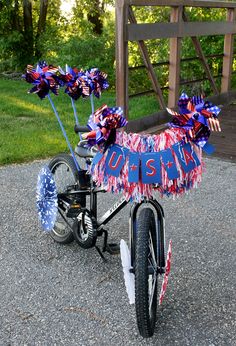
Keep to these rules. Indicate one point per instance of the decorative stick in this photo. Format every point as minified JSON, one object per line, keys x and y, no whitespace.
{"x":75,"y":115}
{"x":92,"y":102}
{"x":64,"y":133}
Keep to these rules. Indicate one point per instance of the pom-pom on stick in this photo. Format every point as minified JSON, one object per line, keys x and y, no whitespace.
{"x":46,"y":199}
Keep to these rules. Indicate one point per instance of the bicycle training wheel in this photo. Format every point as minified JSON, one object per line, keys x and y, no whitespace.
{"x":65,"y":175}
{"x":146,"y":272}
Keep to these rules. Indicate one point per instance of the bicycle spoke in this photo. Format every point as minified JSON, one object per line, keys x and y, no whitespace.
{"x":154,"y":280}
{"x":152,"y":253}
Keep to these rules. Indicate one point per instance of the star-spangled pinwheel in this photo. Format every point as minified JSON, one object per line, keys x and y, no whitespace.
{"x":75,"y":87}
{"x":197,"y":116}
{"x":86,"y":83}
{"x":97,"y":81}
{"x":102,"y":121}
{"x":46,"y":199}
{"x":44,"y":78}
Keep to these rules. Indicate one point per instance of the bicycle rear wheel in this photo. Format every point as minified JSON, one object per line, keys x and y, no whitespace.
{"x":66,"y":178}
{"x":146,"y":267}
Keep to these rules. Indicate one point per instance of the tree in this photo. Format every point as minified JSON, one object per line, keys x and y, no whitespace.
{"x":41,"y":25}
{"x":22,"y":24}
{"x":95,"y":11}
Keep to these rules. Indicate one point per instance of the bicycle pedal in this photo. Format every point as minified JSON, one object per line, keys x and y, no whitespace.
{"x":113,"y":249}
{"x":73,"y":210}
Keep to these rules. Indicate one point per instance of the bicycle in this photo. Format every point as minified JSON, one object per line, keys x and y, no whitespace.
{"x":170,"y":162}
{"x":77,"y":221}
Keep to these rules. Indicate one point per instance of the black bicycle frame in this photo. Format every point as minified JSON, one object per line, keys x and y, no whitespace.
{"x":119,"y":205}
{"x":109,"y":214}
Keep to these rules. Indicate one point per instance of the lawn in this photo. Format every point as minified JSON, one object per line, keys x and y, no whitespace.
{"x":29,"y":129}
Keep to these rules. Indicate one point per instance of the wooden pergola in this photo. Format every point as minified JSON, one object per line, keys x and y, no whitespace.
{"x":127,"y":29}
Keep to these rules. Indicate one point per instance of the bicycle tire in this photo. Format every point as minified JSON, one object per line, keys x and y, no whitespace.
{"x":146,"y":272}
{"x":85,"y":230}
{"x":65,"y":174}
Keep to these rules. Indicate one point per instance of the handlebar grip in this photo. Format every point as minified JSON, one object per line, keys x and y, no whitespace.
{"x":78,"y":129}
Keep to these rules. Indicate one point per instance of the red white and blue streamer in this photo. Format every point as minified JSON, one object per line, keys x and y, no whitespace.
{"x":118,"y":160}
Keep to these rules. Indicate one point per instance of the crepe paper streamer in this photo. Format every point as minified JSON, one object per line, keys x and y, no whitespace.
{"x":128,"y":276}
{"x":64,"y":133}
{"x":154,"y":144}
{"x":46,"y":199}
{"x":167,"y":272}
{"x":197,"y":116}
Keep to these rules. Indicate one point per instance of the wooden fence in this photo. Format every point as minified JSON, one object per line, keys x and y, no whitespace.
{"x":127,"y":29}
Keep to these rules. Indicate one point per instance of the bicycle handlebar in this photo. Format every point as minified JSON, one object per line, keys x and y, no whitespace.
{"x":78,"y":129}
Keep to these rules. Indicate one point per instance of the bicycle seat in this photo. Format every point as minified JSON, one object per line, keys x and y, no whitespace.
{"x":83,"y":150}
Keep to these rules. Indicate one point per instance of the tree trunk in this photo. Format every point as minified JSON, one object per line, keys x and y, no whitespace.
{"x":28,"y":28}
{"x":15,"y":17}
{"x":41,"y":26}
{"x":94,"y":16}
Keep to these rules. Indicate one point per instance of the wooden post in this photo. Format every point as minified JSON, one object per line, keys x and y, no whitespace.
{"x":122,"y":56}
{"x":147,"y":62}
{"x":228,"y":55}
{"x":174,"y":59}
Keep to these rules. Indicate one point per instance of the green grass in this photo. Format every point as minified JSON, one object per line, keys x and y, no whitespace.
{"x":29,"y":129}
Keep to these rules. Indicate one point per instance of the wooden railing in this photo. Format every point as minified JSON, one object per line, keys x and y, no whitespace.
{"x":127,"y":29}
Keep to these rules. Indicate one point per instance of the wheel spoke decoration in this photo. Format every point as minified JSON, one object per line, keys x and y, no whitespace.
{"x":154,"y":282}
{"x":128,"y":276}
{"x":46,"y":199}
{"x":167,"y":272}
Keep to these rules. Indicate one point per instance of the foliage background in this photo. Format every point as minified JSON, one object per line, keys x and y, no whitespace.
{"x":86,"y":38}
{"x":42,"y":30}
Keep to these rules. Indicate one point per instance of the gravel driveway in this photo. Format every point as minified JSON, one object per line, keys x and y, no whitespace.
{"x":63,"y":295}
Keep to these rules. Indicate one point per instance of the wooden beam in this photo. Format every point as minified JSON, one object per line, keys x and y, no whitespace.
{"x":228,"y":55}
{"x":187,"y":3}
{"x":148,"y":31}
{"x":203,"y":59}
{"x":121,"y":56}
{"x":174,"y":59}
{"x":152,"y":75}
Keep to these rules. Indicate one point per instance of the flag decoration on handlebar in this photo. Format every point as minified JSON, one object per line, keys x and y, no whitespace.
{"x":137,"y":165}
{"x":102,"y":121}
{"x":197,"y":116}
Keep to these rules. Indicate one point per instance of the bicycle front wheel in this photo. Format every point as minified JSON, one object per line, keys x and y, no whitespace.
{"x":146,"y":272}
